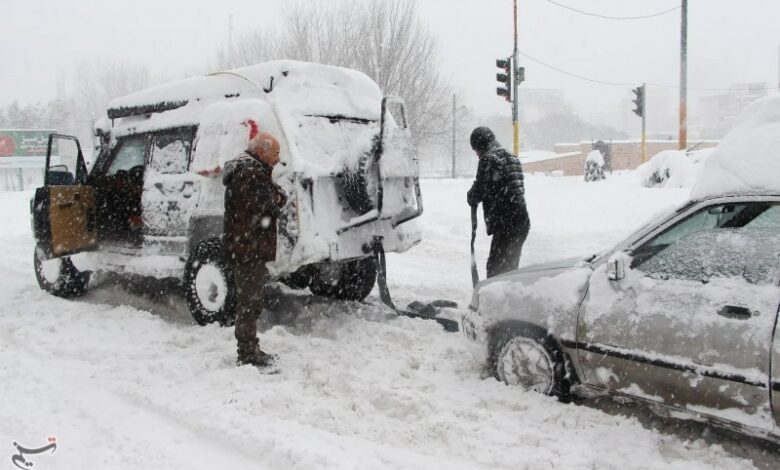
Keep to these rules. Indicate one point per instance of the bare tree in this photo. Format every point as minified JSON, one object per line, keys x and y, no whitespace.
{"x":383,"y":39}
{"x":394,"y":48}
{"x":99,"y":82}
{"x":250,"y":48}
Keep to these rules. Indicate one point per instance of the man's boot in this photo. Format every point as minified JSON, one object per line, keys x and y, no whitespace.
{"x":250,"y":354}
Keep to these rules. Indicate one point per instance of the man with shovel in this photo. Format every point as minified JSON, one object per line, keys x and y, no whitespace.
{"x":499,"y":187}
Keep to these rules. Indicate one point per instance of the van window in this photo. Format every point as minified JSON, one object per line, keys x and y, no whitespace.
{"x":131,"y":153}
{"x":171,"y":151}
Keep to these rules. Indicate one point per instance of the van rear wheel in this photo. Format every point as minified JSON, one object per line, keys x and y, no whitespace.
{"x":346,"y":281}
{"x":209,"y":287}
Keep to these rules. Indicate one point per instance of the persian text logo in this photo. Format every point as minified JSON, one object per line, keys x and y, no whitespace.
{"x":20,"y":459}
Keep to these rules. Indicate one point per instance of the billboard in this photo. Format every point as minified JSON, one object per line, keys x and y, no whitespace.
{"x":24,"y":148}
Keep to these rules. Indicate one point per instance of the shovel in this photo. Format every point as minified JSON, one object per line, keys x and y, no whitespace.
{"x":474,"y":271}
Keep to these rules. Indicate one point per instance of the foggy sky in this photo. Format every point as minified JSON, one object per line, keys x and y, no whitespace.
{"x":730,"y":41}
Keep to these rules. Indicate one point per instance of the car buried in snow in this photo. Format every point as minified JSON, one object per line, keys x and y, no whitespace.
{"x":681,"y":315}
{"x":152,"y":204}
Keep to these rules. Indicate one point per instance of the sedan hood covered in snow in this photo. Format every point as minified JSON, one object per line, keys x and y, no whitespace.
{"x":556,"y":264}
{"x":545,"y":297}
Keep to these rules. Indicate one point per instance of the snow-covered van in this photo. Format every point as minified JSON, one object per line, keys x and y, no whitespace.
{"x":153,"y":201}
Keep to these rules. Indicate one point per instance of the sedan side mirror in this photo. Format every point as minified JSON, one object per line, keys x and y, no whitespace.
{"x":616,"y":266}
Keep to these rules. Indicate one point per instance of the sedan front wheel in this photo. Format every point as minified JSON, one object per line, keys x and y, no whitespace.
{"x":531,"y":360}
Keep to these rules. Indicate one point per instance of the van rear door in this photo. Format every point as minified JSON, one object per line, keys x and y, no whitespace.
{"x":400,"y":198}
{"x":63,"y":210}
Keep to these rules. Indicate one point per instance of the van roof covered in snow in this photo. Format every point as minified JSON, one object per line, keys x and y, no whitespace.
{"x":302,"y":87}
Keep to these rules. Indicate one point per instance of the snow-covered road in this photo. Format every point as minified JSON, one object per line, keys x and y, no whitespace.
{"x":124,"y":379}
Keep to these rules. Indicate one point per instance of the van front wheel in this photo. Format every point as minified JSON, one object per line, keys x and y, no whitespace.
{"x":58,"y":276}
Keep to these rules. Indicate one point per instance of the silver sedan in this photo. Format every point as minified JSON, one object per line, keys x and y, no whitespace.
{"x":683,"y":314}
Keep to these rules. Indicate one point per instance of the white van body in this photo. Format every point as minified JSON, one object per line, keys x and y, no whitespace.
{"x":348,"y":167}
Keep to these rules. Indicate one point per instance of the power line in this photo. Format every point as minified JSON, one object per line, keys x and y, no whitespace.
{"x":622,"y":84}
{"x":571,"y":74}
{"x":609,"y":17}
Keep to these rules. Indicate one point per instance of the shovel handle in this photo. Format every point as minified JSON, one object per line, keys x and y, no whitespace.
{"x":474,"y":270}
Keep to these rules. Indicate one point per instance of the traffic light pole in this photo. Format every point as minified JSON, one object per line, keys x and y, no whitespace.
{"x":644,"y":120}
{"x":683,"y":137}
{"x":454,"y":125}
{"x":515,"y":100}
{"x":640,"y":109}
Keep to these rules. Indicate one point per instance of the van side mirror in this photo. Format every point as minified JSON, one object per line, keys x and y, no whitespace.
{"x":616,"y":266}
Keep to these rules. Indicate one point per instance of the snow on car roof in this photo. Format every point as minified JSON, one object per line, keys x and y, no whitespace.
{"x":748,"y":159}
{"x":302,"y":88}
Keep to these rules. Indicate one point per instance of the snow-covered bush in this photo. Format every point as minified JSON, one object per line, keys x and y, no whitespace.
{"x":672,"y":168}
{"x":594,"y":166}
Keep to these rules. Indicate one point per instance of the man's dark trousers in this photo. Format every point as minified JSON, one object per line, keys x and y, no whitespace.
{"x":250,"y":300}
{"x":505,"y":250}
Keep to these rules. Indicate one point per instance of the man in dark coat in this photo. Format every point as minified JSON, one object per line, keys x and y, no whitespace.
{"x":499,"y":187}
{"x":252,"y":205}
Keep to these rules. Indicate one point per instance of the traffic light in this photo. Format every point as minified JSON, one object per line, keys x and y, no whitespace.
{"x":520,"y":76}
{"x":505,"y":78}
{"x":639,"y":100}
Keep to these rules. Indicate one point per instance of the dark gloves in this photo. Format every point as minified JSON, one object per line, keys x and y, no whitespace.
{"x":280,"y":199}
{"x":470,"y":198}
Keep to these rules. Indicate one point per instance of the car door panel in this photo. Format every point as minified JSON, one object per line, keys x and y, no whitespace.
{"x":775,"y":373}
{"x":691,"y":326}
{"x":634,"y":340}
{"x":72,"y":219}
{"x":63,"y":210}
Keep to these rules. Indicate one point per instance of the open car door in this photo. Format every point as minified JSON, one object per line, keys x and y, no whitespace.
{"x":63,"y":210}
{"x":400,"y":198}
{"x":393,"y":170}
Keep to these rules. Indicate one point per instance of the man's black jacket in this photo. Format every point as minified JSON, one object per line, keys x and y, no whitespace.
{"x":499,"y":187}
{"x":251,"y":209}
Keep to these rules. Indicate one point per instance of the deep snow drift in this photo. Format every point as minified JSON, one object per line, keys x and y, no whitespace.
{"x":124,"y":379}
{"x":748,"y":158}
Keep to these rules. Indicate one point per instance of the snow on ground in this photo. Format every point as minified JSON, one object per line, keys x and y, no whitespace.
{"x":124,"y":379}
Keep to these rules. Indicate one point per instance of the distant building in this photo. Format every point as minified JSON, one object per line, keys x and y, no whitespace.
{"x":569,"y":158}
{"x":717,"y":112}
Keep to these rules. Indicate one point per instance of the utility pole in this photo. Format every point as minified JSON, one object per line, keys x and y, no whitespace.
{"x":230,"y":34}
{"x":95,"y":138}
{"x":644,"y":123}
{"x":683,"y":137}
{"x":515,"y":82}
{"x":454,"y":125}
